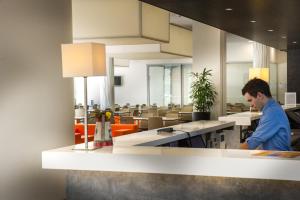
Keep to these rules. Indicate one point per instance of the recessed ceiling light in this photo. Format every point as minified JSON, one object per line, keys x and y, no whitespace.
{"x":252,"y":21}
{"x":283,"y":37}
{"x":270,"y":30}
{"x":294,"y":42}
{"x":228,"y":9}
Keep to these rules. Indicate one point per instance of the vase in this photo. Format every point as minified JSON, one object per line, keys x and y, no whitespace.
{"x":102,"y":134}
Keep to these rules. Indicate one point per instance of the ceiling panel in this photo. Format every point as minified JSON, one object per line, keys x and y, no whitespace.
{"x":281,"y":16}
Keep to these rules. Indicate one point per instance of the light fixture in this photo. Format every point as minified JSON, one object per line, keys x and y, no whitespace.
{"x":262,"y":73}
{"x":228,"y":9}
{"x":294,"y":42}
{"x":180,"y":46}
{"x":283,"y":37}
{"x":270,"y":30}
{"x":252,"y":21}
{"x":119,"y":22}
{"x":84,"y":60}
{"x":181,"y":42}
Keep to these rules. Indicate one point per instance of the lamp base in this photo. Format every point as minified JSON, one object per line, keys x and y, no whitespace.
{"x":81,"y":147}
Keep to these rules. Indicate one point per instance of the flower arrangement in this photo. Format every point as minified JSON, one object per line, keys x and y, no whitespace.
{"x":103,"y":115}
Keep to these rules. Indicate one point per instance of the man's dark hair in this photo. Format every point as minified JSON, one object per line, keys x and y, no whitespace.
{"x":256,"y":85}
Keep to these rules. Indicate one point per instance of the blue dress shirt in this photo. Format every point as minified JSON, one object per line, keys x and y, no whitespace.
{"x":273,"y":131}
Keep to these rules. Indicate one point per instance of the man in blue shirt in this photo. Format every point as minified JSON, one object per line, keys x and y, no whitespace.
{"x":273,"y":131}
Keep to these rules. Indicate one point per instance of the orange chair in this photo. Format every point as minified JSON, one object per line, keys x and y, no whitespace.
{"x":79,"y":133}
{"x":117,"y":119}
{"x":116,"y":130}
{"x":123,"y":129}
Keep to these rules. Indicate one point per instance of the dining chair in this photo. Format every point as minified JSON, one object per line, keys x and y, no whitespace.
{"x":155,"y":122}
{"x":171,"y":122}
{"x":173,"y":114}
{"x":127,"y":120}
{"x":161,"y":112}
{"x":147,"y":114}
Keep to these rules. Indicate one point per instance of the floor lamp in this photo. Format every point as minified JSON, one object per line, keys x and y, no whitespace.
{"x":84,"y":60}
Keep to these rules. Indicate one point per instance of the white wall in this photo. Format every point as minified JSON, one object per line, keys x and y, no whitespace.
{"x":36,"y":103}
{"x":134,"y":85}
{"x":93,"y":89}
{"x":239,"y":51}
{"x":237,"y":77}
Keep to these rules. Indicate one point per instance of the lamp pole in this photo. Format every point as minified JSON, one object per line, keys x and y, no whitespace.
{"x":86,"y":141}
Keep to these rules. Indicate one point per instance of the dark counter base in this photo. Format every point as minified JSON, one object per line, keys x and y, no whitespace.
{"x":83,"y":185}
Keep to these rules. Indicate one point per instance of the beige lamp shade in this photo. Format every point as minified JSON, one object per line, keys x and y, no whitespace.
{"x":119,"y":22}
{"x":262,"y":73}
{"x":83,"y":60}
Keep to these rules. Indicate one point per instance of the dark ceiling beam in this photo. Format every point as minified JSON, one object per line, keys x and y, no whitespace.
{"x":281,"y":16}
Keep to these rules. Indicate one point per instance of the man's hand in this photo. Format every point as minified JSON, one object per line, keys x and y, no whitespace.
{"x":244,"y":146}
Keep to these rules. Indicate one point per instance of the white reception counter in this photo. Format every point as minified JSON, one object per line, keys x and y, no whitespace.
{"x":137,"y":153}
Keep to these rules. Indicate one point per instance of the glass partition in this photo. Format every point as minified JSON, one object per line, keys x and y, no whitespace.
{"x":236,"y":83}
{"x":239,"y":59}
{"x":273,"y":80}
{"x":186,"y":83}
{"x":169,"y":83}
{"x":176,"y":84}
{"x":156,"y":85}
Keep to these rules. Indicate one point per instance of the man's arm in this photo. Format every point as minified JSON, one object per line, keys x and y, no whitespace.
{"x":268,"y":126}
{"x":244,"y":146}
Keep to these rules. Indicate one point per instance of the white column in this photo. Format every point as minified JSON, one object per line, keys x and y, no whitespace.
{"x":209,"y":52}
{"x":110,"y":82}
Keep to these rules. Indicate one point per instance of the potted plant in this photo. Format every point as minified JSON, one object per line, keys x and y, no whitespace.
{"x":203,"y":95}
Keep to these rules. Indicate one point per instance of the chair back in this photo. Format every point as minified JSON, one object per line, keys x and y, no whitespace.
{"x":127,"y":120}
{"x":161,"y":112}
{"x":131,"y":111}
{"x":173,"y":114}
{"x":155,"y":122}
{"x":187,"y":108}
{"x":171,"y":122}
{"x":147,"y":114}
{"x":153,"y":111}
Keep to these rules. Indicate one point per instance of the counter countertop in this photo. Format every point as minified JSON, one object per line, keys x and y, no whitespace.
{"x":127,"y":155}
{"x":241,"y":119}
{"x":245,"y":118}
{"x":151,"y":138}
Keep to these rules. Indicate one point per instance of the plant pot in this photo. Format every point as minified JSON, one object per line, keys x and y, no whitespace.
{"x":196,"y":116}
